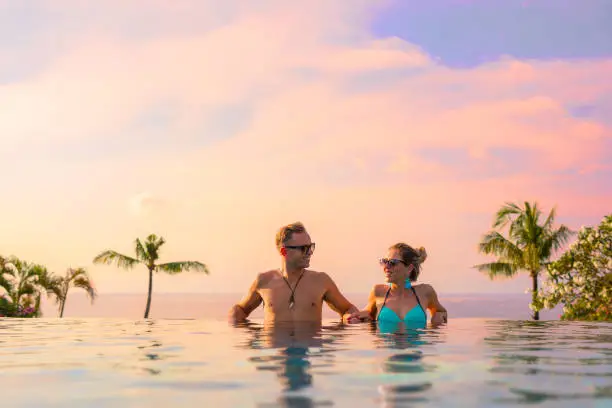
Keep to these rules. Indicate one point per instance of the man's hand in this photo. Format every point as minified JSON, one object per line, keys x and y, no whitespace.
{"x":236,"y":314}
{"x":356,"y":317}
{"x":241,"y":311}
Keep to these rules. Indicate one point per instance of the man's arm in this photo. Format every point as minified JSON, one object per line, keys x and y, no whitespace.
{"x":438,"y":312}
{"x":337,"y":302}
{"x":241,"y":311}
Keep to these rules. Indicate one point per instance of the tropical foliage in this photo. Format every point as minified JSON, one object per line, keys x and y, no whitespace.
{"x":581,"y":279}
{"x":23,"y":284}
{"x":147,"y":254}
{"x":77,"y":278}
{"x":528,"y":246}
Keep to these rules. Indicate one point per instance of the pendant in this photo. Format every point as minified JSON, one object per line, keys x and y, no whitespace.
{"x":291,"y":302}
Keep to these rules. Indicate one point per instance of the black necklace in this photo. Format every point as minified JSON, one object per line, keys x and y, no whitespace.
{"x":292,"y":297}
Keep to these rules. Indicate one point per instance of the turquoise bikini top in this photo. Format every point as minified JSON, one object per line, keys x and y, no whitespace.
{"x":416,"y":317}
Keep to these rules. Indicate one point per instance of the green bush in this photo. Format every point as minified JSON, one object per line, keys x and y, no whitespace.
{"x":581,"y":279}
{"x":9,"y":309}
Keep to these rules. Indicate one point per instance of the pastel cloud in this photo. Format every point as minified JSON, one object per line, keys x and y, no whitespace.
{"x":272,"y":113}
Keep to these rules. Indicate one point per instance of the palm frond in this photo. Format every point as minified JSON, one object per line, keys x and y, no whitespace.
{"x":12,"y":266}
{"x":85,"y":283}
{"x":496,"y":269}
{"x":496,"y":244}
{"x":9,"y":270}
{"x":5,"y":284}
{"x":54,"y":286}
{"x":153,"y":245}
{"x":173,"y":268}
{"x":26,"y":288}
{"x":550,"y":220}
{"x":141,"y":252}
{"x":504,"y":215}
{"x":73,"y":273}
{"x":112,"y":257}
{"x":560,"y":237}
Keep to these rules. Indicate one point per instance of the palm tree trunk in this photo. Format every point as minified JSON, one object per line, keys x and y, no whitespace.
{"x":146,"y":315}
{"x":64,"y":295}
{"x":63,"y":303}
{"x":534,"y":294}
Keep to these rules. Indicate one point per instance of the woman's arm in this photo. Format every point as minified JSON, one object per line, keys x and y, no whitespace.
{"x":370,"y":309}
{"x":438,"y":312}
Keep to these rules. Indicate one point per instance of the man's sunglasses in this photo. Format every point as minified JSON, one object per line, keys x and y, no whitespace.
{"x":304,"y":248}
{"x":390,"y":262}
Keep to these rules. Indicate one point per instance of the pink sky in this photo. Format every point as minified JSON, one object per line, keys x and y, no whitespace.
{"x":215,"y":134}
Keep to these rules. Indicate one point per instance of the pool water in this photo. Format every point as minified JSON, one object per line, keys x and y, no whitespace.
{"x":159,"y":363}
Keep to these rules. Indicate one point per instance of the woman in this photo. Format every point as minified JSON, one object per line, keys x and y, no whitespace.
{"x":399,"y":301}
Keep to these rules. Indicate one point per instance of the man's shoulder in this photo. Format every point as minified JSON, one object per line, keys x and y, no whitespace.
{"x":264,"y":277}
{"x":318,"y":274}
{"x":319,"y":278}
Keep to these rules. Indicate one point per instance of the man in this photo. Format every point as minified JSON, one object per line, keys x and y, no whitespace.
{"x":294,"y":293}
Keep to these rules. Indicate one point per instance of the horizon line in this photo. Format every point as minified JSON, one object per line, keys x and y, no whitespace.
{"x":241,"y":293}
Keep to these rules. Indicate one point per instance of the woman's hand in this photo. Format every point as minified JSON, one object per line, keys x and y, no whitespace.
{"x":356,"y":317}
{"x":439,"y":318}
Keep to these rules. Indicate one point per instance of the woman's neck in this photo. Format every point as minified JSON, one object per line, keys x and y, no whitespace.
{"x":397,"y":288}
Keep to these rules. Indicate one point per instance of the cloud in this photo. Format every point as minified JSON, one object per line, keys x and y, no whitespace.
{"x":271,"y":112}
{"x":146,"y":204}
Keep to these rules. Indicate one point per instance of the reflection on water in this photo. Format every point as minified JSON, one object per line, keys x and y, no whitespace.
{"x":550,"y":361}
{"x":407,"y":360}
{"x":470,"y":362}
{"x":298,"y":349}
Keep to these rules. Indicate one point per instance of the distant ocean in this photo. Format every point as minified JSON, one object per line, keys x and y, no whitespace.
{"x":215,"y":306}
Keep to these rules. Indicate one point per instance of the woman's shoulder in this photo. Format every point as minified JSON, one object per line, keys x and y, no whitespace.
{"x":380,"y":289}
{"x":424,"y":288}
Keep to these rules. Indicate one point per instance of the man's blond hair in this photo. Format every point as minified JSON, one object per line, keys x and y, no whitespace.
{"x":285,"y":233}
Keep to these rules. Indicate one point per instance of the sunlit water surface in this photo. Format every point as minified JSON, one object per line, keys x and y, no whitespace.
{"x":158,"y":363}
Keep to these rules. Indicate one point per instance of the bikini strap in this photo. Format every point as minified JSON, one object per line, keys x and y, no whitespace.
{"x":383,"y":304}
{"x":417,"y":298}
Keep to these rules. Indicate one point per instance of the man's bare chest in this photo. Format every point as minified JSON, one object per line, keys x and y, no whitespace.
{"x":278,"y":293}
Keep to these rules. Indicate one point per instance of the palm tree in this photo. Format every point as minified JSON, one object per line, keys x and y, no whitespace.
{"x":77,"y":278}
{"x":4,"y":282}
{"x":25,"y":282}
{"x":528,"y":247}
{"x":148,"y":254}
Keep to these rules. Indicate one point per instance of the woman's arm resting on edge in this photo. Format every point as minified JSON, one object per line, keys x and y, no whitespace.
{"x":439,"y":314}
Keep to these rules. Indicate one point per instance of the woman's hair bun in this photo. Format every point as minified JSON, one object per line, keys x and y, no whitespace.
{"x":422,"y":254}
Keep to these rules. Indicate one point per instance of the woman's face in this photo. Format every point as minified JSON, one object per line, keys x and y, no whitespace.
{"x":396,"y":271}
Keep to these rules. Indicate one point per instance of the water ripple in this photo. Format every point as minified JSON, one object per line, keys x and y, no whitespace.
{"x":471,"y":362}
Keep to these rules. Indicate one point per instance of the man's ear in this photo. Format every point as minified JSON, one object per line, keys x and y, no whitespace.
{"x":283,"y":251}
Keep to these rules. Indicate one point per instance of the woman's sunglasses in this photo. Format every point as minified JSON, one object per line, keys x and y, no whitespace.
{"x":390,"y":262}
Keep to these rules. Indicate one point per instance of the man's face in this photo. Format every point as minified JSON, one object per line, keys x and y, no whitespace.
{"x":298,"y":250}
